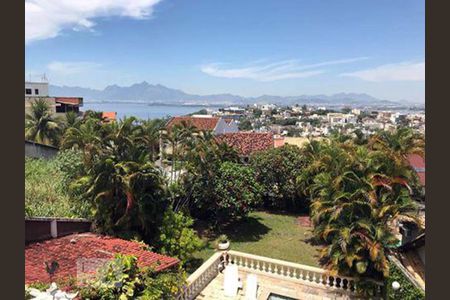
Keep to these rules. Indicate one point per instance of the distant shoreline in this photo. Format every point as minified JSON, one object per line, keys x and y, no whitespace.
{"x":151,"y":103}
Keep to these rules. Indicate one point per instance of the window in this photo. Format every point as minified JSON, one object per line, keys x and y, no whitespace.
{"x":27,"y":91}
{"x":36,"y":91}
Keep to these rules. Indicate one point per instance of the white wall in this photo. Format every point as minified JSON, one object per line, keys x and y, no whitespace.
{"x":42,"y":88}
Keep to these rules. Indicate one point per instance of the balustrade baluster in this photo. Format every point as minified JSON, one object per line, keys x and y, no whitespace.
{"x":324,"y":279}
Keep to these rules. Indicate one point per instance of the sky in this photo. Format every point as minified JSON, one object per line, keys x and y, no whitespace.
{"x":248,"y":48}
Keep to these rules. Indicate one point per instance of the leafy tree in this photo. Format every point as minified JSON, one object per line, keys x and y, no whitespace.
{"x":245,"y":125}
{"x":198,"y":183}
{"x":176,"y":236}
{"x":276,"y":170}
{"x":236,"y":191}
{"x":257,"y":113}
{"x":40,"y":125}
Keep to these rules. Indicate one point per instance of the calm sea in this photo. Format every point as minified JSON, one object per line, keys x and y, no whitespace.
{"x":143,"y":111}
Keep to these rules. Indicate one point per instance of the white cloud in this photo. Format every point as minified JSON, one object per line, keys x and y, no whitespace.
{"x":60,"y":68}
{"x":273,"y":71}
{"x":46,"y":19}
{"x":404,"y":71}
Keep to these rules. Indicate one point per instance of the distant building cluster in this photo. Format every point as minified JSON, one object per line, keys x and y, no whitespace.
{"x":35,"y":90}
{"x":310,"y":121}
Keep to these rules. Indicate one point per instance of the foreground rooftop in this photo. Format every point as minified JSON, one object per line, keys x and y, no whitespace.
{"x":79,"y":254}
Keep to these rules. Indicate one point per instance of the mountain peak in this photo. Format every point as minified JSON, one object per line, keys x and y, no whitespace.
{"x":157,"y":93}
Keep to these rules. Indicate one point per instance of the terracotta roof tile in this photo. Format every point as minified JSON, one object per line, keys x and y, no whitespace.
{"x":69,"y":100}
{"x":247,"y":143}
{"x":86,"y":246}
{"x":417,"y":162}
{"x":110,"y":115}
{"x":201,"y":123}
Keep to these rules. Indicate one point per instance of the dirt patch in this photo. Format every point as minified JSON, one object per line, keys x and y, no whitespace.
{"x":304,"y":221}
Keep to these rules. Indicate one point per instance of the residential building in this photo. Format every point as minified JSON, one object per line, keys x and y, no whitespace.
{"x":36,"y":89}
{"x":340,"y":118}
{"x":216,"y":125}
{"x":109,"y":116}
{"x":58,"y":105}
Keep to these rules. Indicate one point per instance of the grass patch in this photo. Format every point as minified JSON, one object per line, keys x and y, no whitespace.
{"x":46,"y":193}
{"x":267,"y":234}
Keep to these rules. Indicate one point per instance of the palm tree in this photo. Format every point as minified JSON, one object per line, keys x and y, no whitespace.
{"x":88,"y":137}
{"x":402,"y":142}
{"x":72,"y":120}
{"x":127,"y":194}
{"x":149,"y":136}
{"x":354,"y":199}
{"x":40,"y":125}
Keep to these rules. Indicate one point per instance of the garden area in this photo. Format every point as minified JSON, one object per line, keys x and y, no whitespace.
{"x":267,"y":234}
{"x":351,"y":186}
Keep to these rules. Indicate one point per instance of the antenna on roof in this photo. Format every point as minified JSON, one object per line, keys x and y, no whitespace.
{"x":44,"y":78}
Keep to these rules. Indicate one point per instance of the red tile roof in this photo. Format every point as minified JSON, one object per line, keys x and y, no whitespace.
{"x":248,"y":142}
{"x":109,"y":115}
{"x":86,"y":246}
{"x":201,"y":123}
{"x":418,"y":163}
{"x":68,"y":100}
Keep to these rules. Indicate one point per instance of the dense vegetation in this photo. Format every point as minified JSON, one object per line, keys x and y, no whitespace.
{"x":407,"y":290}
{"x":122,"y":279}
{"x":46,"y":188}
{"x":353,"y":187}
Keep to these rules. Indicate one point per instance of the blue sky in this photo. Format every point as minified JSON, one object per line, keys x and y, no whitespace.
{"x":250,"y":48}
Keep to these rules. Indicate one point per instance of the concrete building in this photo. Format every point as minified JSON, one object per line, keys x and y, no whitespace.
{"x":58,"y":105}
{"x":36,"y":89}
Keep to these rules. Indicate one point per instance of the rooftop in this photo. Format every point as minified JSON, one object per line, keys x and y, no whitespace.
{"x":201,"y":123}
{"x":247,"y":143}
{"x":417,"y":162}
{"x":69,"y":251}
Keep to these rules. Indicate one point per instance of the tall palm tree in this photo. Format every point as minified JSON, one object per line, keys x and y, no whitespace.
{"x":354,"y":198}
{"x":149,"y":136}
{"x":88,"y":137}
{"x":40,"y":125}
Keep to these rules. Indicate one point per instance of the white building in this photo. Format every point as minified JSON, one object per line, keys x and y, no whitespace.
{"x":36,"y":89}
{"x":356,"y":111}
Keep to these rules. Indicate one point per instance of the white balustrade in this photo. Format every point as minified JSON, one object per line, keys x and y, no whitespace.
{"x":273,"y":267}
{"x":292,"y":271}
{"x":198,"y":280}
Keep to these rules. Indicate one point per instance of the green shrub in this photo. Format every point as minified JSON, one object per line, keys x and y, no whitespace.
{"x":407,"y":290}
{"x":70,"y":163}
{"x":122,"y":279}
{"x":177,"y":238}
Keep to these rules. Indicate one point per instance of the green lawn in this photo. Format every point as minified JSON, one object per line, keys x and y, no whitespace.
{"x":267,"y":234}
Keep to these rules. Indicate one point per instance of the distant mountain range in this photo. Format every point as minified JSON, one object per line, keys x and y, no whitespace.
{"x":159,"y":94}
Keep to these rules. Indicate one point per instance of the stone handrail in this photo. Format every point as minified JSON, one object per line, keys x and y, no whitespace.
{"x":305,"y":274}
{"x":285,"y":270}
{"x":198,"y":280}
